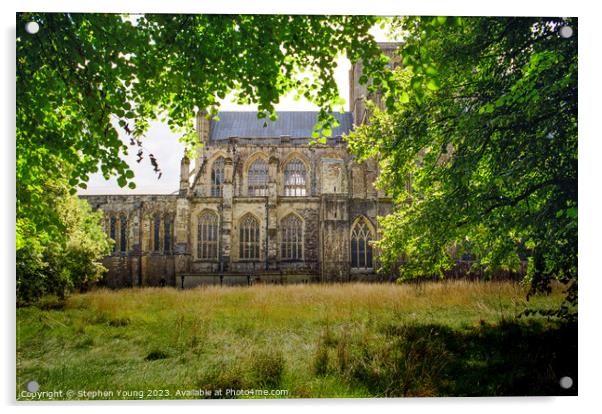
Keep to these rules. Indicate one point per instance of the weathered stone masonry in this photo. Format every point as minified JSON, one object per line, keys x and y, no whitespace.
{"x":258,"y":204}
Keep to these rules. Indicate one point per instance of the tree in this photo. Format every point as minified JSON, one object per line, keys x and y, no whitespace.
{"x":65,"y":254}
{"x":82,"y":74}
{"x":478,"y":148}
{"x":83,"y":77}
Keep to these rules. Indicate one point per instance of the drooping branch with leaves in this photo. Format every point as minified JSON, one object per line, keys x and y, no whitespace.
{"x":83,"y":79}
{"x":478,"y":148}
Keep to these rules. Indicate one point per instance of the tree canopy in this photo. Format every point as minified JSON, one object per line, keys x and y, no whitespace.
{"x":82,"y":75}
{"x":478,"y":148}
{"x":66,"y":253}
{"x":83,"y":78}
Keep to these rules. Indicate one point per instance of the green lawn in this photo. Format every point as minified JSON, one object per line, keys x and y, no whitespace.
{"x":351,"y":340}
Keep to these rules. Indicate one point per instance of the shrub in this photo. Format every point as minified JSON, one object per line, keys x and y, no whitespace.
{"x":63,"y":254}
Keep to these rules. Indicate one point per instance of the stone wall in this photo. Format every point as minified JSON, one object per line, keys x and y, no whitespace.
{"x":338,"y":191}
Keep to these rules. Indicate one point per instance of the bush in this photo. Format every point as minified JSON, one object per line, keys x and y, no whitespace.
{"x":64,"y":253}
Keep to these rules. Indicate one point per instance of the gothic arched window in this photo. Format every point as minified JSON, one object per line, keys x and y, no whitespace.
{"x":207,"y":236}
{"x":292,"y":238}
{"x":361,"y":250}
{"x":123,"y":225}
{"x":294,"y":178}
{"x":156,"y":233}
{"x":258,"y":178}
{"x":167,"y":235}
{"x":217,"y":177}
{"x":249,"y":238}
{"x":113,"y":232}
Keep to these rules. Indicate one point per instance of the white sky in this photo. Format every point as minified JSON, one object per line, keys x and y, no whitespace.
{"x":164,"y":144}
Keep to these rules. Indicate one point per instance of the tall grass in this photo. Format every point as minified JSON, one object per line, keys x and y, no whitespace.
{"x":313,"y":340}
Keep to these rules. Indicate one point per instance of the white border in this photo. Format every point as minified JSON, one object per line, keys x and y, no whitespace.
{"x":589,"y":212}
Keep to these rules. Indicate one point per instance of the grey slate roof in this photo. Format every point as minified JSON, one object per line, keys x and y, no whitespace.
{"x":296,"y":124}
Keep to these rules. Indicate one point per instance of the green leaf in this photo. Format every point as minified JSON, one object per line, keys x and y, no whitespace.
{"x":433,"y":84}
{"x":390,"y":102}
{"x":486,"y":109}
{"x":432,"y":71}
{"x":121,"y":181}
{"x":417,"y":84}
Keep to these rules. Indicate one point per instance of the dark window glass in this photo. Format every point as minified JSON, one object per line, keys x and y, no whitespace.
{"x":292,"y":238}
{"x":113,"y":232}
{"x":123,"y":234}
{"x":249,"y":238}
{"x":207,"y":236}
{"x":217,"y":177}
{"x":157,"y":233}
{"x":361,"y":249}
{"x":167,"y":235}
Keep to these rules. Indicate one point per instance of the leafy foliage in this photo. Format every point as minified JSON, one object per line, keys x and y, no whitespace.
{"x":478,"y":148}
{"x":84,"y":74}
{"x":84,"y":77}
{"x":66,"y":254}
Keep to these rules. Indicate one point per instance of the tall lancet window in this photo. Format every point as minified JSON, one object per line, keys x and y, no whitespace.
{"x":258,"y":178}
{"x":292,"y":238}
{"x":361,"y":250}
{"x":294,"y":178}
{"x":157,"y":232}
{"x":217,"y":177}
{"x":123,"y":225}
{"x":113,"y":232}
{"x":207,"y":236}
{"x":167,"y":235}
{"x":249,"y":238}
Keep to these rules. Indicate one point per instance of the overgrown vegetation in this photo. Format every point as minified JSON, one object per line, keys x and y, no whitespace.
{"x":478,"y":148}
{"x":65,"y":252}
{"x":86,"y":78}
{"x":353,"y":340}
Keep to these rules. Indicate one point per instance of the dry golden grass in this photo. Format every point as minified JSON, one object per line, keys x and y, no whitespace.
{"x":314,"y":340}
{"x":309,"y":301}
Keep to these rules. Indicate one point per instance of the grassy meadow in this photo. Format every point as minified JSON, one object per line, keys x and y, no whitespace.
{"x":453,"y":338}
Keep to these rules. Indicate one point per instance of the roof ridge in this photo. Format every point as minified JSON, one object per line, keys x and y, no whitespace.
{"x":296,"y":124}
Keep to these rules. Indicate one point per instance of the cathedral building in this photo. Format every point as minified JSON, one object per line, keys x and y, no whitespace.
{"x":259,"y":204}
